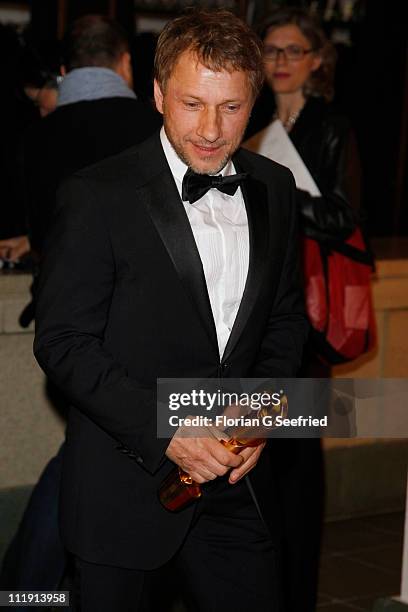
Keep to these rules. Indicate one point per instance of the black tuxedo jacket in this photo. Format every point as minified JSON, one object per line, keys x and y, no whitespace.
{"x":326,"y":143}
{"x":73,"y":137}
{"x":123,"y":301}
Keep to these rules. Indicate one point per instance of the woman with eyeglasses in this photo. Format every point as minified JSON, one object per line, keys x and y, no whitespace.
{"x":299,"y":64}
{"x":299,"y":69}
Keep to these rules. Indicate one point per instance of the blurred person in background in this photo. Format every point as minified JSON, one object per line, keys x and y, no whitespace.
{"x":16,"y":113}
{"x":144,"y":48}
{"x":97,"y":115}
{"x":299,"y":65}
{"x":43,"y":95}
{"x":40,"y":86}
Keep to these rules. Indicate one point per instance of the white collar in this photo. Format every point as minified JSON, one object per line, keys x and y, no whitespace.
{"x":177,"y":166}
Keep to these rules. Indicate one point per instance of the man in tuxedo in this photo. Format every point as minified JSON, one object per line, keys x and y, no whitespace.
{"x":176,"y":258}
{"x":98,"y":115}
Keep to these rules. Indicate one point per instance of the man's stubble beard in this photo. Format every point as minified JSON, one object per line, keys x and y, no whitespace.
{"x":185,"y":158}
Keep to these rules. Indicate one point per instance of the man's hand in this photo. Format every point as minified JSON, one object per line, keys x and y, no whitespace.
{"x":250,"y":457}
{"x":203,"y":458}
{"x":14,"y":248}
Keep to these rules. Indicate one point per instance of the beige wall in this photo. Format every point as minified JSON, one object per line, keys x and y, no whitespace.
{"x":390,"y":291}
{"x":368,"y":476}
{"x":30,"y":430}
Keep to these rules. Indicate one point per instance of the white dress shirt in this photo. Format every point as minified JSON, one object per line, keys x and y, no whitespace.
{"x":220,"y":228}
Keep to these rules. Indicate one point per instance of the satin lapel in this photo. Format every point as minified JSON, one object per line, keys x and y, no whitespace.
{"x":256,"y":204}
{"x":162,"y":200}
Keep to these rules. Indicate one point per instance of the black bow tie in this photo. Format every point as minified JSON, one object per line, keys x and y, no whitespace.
{"x":196,"y":185}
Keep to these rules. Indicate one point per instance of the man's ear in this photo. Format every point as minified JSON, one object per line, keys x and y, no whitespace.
{"x":63,"y":70}
{"x":124,"y":68}
{"x":158,"y":96}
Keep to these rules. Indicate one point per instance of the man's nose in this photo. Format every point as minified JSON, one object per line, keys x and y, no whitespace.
{"x":209,"y":126}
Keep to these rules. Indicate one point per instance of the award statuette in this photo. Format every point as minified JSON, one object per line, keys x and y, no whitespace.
{"x":178,"y":489}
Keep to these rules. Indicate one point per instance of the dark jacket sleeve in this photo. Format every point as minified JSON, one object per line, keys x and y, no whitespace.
{"x":281,"y":350}
{"x":76,"y":284}
{"x":334,"y":165}
{"x":38,"y":184}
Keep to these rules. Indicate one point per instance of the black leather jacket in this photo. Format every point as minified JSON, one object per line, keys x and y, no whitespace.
{"x":326,"y":143}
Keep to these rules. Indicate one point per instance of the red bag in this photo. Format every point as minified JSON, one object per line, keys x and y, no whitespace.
{"x":338,"y":297}
{"x":315,"y":285}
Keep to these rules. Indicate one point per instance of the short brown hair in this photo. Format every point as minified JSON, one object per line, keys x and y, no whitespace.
{"x":219,"y":39}
{"x":321,"y":81}
{"x":94,"y":40}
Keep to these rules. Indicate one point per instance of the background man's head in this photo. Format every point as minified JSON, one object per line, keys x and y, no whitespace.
{"x":97,"y":41}
{"x":208,"y":72}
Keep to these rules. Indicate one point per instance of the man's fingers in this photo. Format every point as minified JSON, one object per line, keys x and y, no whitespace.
{"x":202,"y":458}
{"x":250,"y":456}
{"x":239,"y":473}
{"x":220,"y":468}
{"x":5,"y":248}
{"x":14,"y":248}
{"x":204,"y":465}
{"x":216,"y":459}
{"x":202,"y":476}
{"x":225,"y":457}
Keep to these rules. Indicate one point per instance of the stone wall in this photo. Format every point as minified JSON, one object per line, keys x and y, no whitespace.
{"x":30,"y":429}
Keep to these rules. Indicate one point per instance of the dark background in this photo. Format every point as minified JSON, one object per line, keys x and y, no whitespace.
{"x":371,"y":80}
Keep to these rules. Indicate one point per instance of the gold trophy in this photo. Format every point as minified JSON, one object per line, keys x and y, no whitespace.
{"x":178,"y":489}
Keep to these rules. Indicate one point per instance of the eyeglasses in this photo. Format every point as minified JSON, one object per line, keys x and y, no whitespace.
{"x":292,"y":53}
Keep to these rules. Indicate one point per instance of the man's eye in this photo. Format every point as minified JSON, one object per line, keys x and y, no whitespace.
{"x":232,"y":107}
{"x":192,"y":105}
